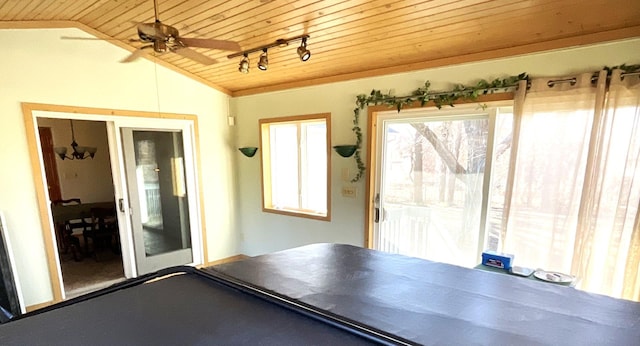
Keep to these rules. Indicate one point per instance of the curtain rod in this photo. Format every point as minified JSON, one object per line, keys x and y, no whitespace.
{"x":573,"y":80}
{"x":511,"y":88}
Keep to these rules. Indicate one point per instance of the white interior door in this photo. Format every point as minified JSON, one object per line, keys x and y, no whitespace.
{"x":160,"y":198}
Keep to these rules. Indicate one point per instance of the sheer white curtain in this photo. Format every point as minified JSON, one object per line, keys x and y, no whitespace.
{"x":574,"y":186}
{"x":606,"y":250}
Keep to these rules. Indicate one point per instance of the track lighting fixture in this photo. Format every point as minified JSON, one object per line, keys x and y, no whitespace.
{"x":244,"y":64}
{"x":263,"y":63}
{"x":303,"y":52}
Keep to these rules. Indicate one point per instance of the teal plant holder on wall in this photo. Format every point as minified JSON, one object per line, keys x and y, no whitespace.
{"x":345,"y":150}
{"x":248,"y":151}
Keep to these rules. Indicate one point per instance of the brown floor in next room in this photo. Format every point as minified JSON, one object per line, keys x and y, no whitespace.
{"x":87,"y":274}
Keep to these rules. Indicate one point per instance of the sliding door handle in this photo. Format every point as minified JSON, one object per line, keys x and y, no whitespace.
{"x":121,"y":205}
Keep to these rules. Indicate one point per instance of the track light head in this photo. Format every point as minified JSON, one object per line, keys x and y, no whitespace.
{"x":303,"y":52}
{"x":263,"y":64}
{"x":244,"y":65}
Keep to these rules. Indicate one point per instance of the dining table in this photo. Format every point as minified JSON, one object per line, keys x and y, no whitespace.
{"x":62,"y":214}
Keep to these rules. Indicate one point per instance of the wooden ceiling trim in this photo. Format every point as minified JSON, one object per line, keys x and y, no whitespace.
{"x":604,"y":36}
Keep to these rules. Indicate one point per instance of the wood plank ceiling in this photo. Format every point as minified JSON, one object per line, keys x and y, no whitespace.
{"x":348,"y":38}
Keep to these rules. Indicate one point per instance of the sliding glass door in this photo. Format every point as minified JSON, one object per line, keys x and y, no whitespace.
{"x":431,"y":184}
{"x":160,"y":183}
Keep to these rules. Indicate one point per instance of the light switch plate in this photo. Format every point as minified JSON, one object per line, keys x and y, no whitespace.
{"x":349,"y":191}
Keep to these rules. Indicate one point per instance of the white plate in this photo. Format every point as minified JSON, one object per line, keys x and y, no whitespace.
{"x":553,"y":276}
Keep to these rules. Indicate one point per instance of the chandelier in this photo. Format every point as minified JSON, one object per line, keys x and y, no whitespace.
{"x":78,"y":151}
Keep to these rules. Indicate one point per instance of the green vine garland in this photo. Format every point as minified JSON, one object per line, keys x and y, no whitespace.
{"x":440,"y":99}
{"x":422,"y":95}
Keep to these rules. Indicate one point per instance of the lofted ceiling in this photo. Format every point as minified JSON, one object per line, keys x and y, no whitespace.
{"x":348,"y":38}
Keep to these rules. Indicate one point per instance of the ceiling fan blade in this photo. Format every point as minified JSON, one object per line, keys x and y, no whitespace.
{"x":195,"y":56}
{"x":135,"y":54}
{"x":210,"y":43}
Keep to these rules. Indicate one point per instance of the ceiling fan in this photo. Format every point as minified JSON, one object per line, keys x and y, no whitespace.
{"x":165,"y":38}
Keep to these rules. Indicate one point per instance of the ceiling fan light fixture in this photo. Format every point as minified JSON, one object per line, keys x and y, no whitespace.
{"x":303,"y":52}
{"x":244,"y":65}
{"x":263,"y":64}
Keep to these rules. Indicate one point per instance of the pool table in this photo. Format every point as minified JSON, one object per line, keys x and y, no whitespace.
{"x":330,"y":294}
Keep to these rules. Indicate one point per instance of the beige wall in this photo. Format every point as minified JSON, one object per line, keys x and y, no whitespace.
{"x":264,"y":232}
{"x":37,"y":66}
{"x":88,"y":179}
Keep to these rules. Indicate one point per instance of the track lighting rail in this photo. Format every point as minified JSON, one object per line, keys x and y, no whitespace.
{"x":278,"y":43}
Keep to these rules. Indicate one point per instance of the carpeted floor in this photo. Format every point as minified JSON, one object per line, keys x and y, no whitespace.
{"x":88,"y":275}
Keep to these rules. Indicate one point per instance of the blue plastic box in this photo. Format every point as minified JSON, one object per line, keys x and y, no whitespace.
{"x":497,"y":259}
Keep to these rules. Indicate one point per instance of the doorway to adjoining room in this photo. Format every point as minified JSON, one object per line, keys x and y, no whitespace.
{"x":83,"y":205}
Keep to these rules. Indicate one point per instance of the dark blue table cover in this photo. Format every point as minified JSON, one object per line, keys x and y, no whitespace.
{"x":439,"y":304}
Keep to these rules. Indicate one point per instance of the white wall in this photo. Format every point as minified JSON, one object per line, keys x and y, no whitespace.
{"x":37,"y":66}
{"x":263,"y":232}
{"x":88,"y":179}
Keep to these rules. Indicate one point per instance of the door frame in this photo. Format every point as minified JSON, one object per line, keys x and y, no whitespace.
{"x":373,"y":155}
{"x":30,"y":112}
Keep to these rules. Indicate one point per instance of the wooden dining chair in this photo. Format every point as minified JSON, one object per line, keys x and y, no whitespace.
{"x":103,"y":232}
{"x":64,"y":231}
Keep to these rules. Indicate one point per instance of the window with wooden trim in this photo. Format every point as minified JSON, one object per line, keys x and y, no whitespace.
{"x":295,"y":165}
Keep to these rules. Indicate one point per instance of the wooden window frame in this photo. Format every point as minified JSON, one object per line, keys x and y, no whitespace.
{"x":265,"y":163}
